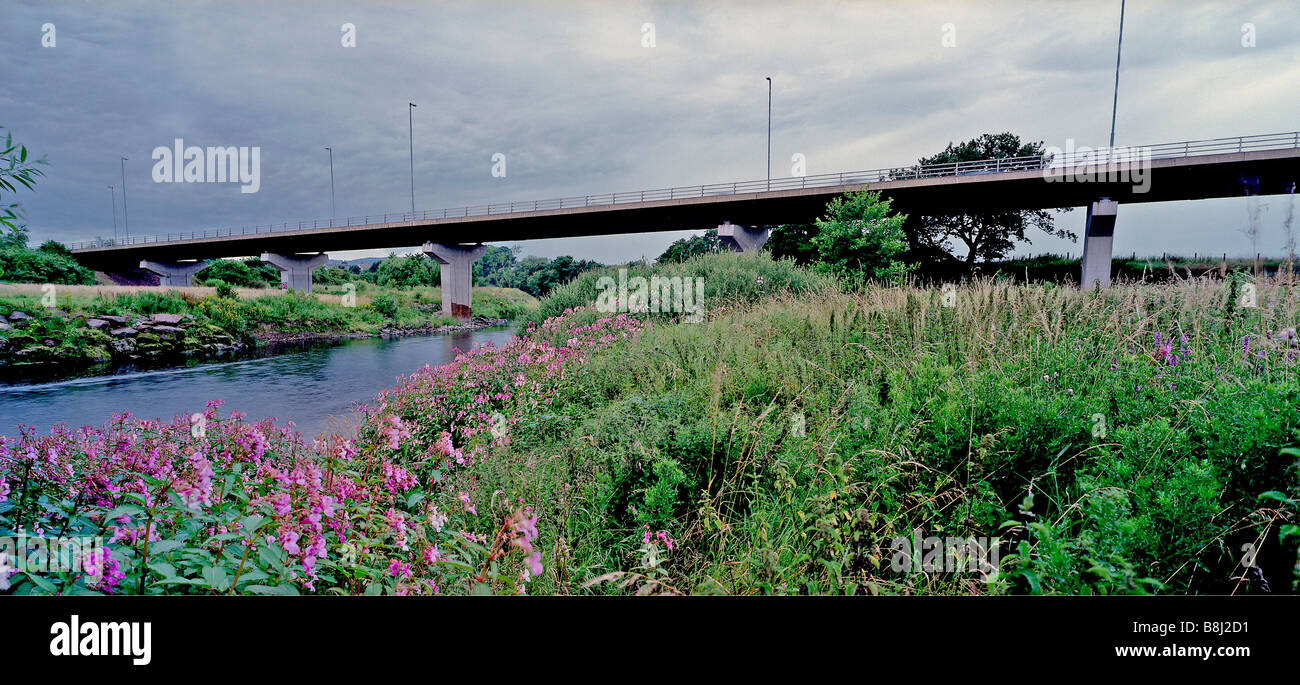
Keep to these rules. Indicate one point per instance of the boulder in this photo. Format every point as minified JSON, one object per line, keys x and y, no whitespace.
{"x":124,"y":332}
{"x":168,"y":330}
{"x":19,"y":316}
{"x":114,"y":319}
{"x":168,"y":319}
{"x":5,"y":327}
{"x":97,"y":323}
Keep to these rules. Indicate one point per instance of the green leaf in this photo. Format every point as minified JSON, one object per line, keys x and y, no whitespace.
{"x":165,"y":546}
{"x":285,"y":590}
{"x":482,"y":590}
{"x":374,"y":589}
{"x":216,"y":577}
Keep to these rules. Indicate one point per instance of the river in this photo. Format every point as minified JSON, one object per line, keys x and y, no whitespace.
{"x":312,"y":385}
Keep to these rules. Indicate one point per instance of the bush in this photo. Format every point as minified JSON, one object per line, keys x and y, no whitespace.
{"x":225,"y":290}
{"x":21,"y":265}
{"x":385,"y":305}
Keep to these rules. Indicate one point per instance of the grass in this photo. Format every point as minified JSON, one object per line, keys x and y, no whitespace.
{"x":786,"y":442}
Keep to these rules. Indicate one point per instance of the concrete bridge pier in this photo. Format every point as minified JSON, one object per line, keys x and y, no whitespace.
{"x":1099,"y":235}
{"x":456,"y":275}
{"x":742,"y":238}
{"x":173,"y":274}
{"x":295,"y":269}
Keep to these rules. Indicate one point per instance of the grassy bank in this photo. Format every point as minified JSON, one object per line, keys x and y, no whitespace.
{"x":96,"y":324}
{"x":1131,"y":440}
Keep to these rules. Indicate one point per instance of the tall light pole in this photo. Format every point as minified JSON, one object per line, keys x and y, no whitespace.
{"x":125,"y":220}
{"x":333,"y":211}
{"x":113,"y":195}
{"x":769,"y":132}
{"x":410,"y":124}
{"x":1118,"y":51}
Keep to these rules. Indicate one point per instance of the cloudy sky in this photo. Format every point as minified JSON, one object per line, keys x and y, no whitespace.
{"x":576,"y":102}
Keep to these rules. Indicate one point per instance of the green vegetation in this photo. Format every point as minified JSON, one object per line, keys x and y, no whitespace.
{"x":64,"y":334}
{"x":247,"y":273}
{"x":1117,"y":442}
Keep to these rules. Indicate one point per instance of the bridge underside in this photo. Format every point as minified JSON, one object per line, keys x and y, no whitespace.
{"x":1212,"y":176}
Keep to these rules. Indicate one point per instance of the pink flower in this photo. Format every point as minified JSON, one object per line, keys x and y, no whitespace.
{"x":289,"y":540}
{"x":469,"y":506}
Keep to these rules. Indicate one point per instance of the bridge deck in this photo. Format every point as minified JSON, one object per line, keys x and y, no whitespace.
{"x":1178,"y":171}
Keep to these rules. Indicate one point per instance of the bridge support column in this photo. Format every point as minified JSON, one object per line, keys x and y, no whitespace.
{"x":1098,"y":236}
{"x":742,"y":238}
{"x":456,"y":275}
{"x":295,"y":269}
{"x":173,"y":274}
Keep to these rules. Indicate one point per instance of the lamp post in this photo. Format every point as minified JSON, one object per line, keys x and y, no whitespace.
{"x":769,"y":132}
{"x":1118,"y":51}
{"x":410,"y":124}
{"x":113,"y":195}
{"x":333,"y":210}
{"x":125,"y":220}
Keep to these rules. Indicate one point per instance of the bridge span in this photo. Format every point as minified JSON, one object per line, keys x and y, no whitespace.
{"x":1098,"y":179}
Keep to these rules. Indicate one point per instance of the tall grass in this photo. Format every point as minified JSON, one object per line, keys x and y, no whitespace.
{"x":1125,"y":437}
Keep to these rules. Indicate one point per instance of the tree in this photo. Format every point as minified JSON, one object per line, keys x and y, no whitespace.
{"x":496,"y":267}
{"x":408,"y":271}
{"x":685,"y":248}
{"x":986,"y":235}
{"x":794,"y":241}
{"x":55,"y":247}
{"x":15,"y":168}
{"x":858,"y":240}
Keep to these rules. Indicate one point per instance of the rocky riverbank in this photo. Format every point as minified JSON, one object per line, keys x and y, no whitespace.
{"x":476,"y":323}
{"x":78,"y":339}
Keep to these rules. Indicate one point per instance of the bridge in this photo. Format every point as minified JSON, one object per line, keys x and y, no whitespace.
{"x":1098,"y":179}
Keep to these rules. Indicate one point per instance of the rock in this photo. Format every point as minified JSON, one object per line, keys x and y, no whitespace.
{"x":5,"y":327}
{"x":49,"y":342}
{"x":124,"y":332}
{"x":114,"y":319}
{"x":3,"y":319}
{"x":122,"y":347}
{"x":19,"y":316}
{"x":97,"y":323}
{"x":168,"y":330}
{"x":169,"y":319}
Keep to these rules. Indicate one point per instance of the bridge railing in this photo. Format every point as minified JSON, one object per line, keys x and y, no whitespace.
{"x":1074,"y":158}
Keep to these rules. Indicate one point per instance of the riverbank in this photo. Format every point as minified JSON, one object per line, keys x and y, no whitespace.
{"x":1130,"y":440}
{"x":88,"y":327}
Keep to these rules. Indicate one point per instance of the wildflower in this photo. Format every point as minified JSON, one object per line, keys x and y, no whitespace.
{"x":432,"y":555}
{"x":437,"y":519}
{"x":398,"y":568}
{"x":469,"y":506}
{"x":395,"y":431}
{"x":534,"y":563}
{"x":4,"y":490}
{"x":289,"y":540}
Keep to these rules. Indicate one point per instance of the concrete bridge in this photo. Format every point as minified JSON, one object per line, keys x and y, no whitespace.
{"x":1098,"y":179}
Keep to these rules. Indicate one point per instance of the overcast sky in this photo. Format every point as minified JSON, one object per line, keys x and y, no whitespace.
{"x":576,"y":103}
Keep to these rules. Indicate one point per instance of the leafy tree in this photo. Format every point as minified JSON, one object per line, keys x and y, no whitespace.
{"x":496,"y":267}
{"x":15,"y":168}
{"x":330,"y":275}
{"x":407,"y":271}
{"x":986,"y":235}
{"x":858,"y":240}
{"x":685,"y":248}
{"x":794,"y":241}
{"x":55,"y":247}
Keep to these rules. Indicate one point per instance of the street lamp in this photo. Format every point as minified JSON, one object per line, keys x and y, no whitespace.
{"x":410,"y":124}
{"x":333,"y":210}
{"x":113,"y":195}
{"x":769,"y":132}
{"x":1118,"y":51}
{"x":126,"y":221}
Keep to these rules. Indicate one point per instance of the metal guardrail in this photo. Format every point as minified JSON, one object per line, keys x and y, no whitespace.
{"x":1118,"y":155}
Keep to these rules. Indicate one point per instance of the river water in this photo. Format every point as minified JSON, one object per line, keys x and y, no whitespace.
{"x":314,"y":385}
